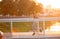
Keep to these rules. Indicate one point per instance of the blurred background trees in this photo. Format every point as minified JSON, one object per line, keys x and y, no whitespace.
{"x":19,"y":7}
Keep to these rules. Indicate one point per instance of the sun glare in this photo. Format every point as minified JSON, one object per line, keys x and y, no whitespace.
{"x":53,"y":3}
{"x":0,"y":0}
{"x":44,"y":2}
{"x":54,"y":28}
{"x":38,"y":1}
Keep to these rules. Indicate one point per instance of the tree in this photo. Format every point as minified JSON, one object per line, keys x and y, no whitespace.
{"x":39,"y":8}
{"x":20,"y":7}
{"x":27,"y":7}
{"x":7,"y":7}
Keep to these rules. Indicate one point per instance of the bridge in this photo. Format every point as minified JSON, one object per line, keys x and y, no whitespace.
{"x":29,"y":19}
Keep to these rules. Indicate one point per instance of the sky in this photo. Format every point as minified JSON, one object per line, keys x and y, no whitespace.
{"x":53,"y":3}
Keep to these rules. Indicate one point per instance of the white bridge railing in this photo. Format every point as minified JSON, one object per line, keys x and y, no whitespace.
{"x":29,"y":20}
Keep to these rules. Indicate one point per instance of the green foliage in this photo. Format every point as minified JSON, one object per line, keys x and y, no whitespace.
{"x":5,"y":26}
{"x":22,"y":26}
{"x":17,"y":26}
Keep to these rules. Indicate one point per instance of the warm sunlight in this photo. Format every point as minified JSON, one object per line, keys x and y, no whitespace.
{"x":44,"y":2}
{"x":0,"y":0}
{"x":55,"y":27}
{"x":53,"y":3}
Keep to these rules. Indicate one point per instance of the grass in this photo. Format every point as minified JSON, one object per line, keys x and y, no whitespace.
{"x":20,"y":26}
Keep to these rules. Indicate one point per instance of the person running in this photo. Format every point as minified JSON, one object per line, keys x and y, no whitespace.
{"x":35,"y":23}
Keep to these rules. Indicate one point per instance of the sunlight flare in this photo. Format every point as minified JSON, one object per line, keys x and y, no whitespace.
{"x":54,"y":28}
{"x":53,"y":3}
{"x":0,"y":0}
